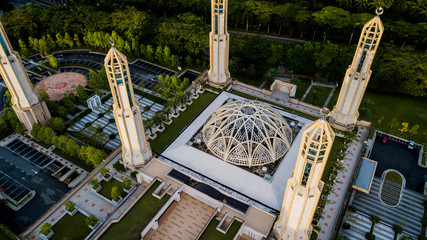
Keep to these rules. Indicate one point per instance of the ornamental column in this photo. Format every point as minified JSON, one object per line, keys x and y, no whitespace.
{"x":26,"y":103}
{"x":218,"y":44}
{"x":135,"y":148}
{"x":304,"y":188}
{"x":345,"y":113}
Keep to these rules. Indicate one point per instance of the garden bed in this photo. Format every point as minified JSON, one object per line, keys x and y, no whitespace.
{"x":211,"y":233}
{"x":107,"y":186}
{"x":71,"y":227}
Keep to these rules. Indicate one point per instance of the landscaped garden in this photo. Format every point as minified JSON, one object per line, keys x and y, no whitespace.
{"x":318,"y":95}
{"x":178,"y":124}
{"x":391,"y":188}
{"x":71,"y":227}
{"x":302,"y":85}
{"x":131,"y":225}
{"x":211,"y":233}
{"x":107,"y":188}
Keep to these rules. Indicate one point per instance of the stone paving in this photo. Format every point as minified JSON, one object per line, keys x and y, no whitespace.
{"x":336,"y":197}
{"x":58,"y":85}
{"x":88,"y":202}
{"x":186,"y":220}
{"x":282,"y":102}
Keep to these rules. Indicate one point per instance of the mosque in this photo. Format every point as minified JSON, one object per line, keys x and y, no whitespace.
{"x":246,"y":160}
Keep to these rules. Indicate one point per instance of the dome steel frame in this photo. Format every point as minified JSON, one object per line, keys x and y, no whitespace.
{"x":247,"y":133}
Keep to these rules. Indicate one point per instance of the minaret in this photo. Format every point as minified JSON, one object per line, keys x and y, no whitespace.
{"x":304,"y":188}
{"x":346,"y":111}
{"x":28,"y":106}
{"x":218,"y":44}
{"x":135,"y":148}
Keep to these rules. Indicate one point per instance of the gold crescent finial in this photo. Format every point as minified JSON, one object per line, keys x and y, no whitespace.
{"x":324,"y":113}
{"x":379,"y":11}
{"x":111,"y":41}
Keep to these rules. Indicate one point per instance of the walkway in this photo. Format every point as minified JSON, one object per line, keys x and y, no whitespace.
{"x":186,"y":220}
{"x":336,"y":197}
{"x":278,"y":101}
{"x":329,"y":98}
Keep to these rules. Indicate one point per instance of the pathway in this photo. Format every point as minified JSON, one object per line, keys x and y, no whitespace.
{"x":329,"y":98}
{"x":337,"y":196}
{"x":307,"y":92}
{"x":278,"y":101}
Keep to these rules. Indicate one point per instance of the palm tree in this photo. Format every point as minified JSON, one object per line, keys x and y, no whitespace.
{"x":188,"y":96}
{"x":397,"y":229}
{"x":166,"y":112}
{"x":181,"y":98}
{"x":173,"y":102}
{"x":374,"y":220}
{"x":159,"y":119}
{"x":149,"y":124}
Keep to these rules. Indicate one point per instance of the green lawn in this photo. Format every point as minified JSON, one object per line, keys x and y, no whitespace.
{"x":320,"y":98}
{"x":334,"y":98}
{"x":172,"y":131}
{"x":71,"y":227}
{"x":393,"y":176}
{"x":302,"y":87}
{"x":254,"y":81}
{"x":107,"y":186}
{"x":137,"y":218}
{"x":404,"y":108}
{"x":211,"y":233}
{"x":305,"y":115}
{"x":338,"y":142}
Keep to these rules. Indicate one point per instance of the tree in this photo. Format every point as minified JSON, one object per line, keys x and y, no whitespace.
{"x":149,"y":52}
{"x":167,"y":55}
{"x":53,"y":61}
{"x":46,"y":228}
{"x":3,"y":125}
{"x":82,"y":94}
{"x":104,"y":171}
{"x":394,"y":123}
{"x":374,"y":220}
{"x":332,"y":18}
{"x":127,"y":183}
{"x":188,"y":61}
{"x":270,"y":75}
{"x":68,"y":40}
{"x":174,"y":61}
{"x":159,"y":119}
{"x":148,"y":124}
{"x":115,"y":194}
{"x":23,"y":47}
{"x":94,"y":183}
{"x":159,"y":54}
{"x":70,"y":206}
{"x":91,"y":220}
{"x":370,"y":236}
{"x":57,"y":123}
{"x":414,"y":129}
{"x":10,"y":116}
{"x":77,"y":40}
{"x":397,"y":230}
{"x":173,"y":102}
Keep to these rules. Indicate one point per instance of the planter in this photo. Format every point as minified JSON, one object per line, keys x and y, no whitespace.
{"x":175,"y":115}
{"x":42,"y":236}
{"x":107,"y":177}
{"x":73,"y":212}
{"x":168,"y":122}
{"x":94,"y":226}
{"x":127,"y":190}
{"x":182,"y":108}
{"x":97,"y":189}
{"x":202,"y":90}
{"x":189,"y":102}
{"x":152,"y":136}
{"x":160,"y":129}
{"x":117,"y":203}
{"x":195,"y":96}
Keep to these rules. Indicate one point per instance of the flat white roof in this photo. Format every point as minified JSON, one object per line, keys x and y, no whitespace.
{"x":269,"y":193}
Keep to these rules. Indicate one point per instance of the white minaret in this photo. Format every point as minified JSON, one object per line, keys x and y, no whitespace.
{"x":346,"y":111}
{"x":218,"y":44}
{"x":304,"y":188}
{"x":135,"y":148}
{"x":28,"y":106}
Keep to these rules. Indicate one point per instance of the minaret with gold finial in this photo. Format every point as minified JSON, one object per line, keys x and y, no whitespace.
{"x":304,"y":188}
{"x":218,"y":44}
{"x":345,"y":113}
{"x":135,"y":148}
{"x":28,"y":106}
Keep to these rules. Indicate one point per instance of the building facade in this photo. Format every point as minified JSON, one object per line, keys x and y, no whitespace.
{"x":28,"y":106}
{"x":135,"y":148}
{"x":304,"y":188}
{"x":345,"y":113}
{"x":219,"y":44}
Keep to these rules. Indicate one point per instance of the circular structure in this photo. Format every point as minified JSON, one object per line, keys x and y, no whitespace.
{"x":62,"y":83}
{"x":247,"y":133}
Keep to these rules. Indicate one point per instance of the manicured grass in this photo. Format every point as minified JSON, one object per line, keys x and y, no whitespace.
{"x":137,"y":218}
{"x":302,"y":87}
{"x":404,"y":108}
{"x":305,"y":115}
{"x":107,"y":186}
{"x":334,"y":98}
{"x":254,"y":81}
{"x":336,"y":146}
{"x":211,"y":233}
{"x":393,"y":176}
{"x":320,"y":98}
{"x":178,"y":124}
{"x":71,"y":227}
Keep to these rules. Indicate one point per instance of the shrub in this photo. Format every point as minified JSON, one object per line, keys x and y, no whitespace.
{"x":346,"y":226}
{"x":133,"y":175}
{"x":104,"y":171}
{"x":70,"y":206}
{"x":91,"y":220}
{"x":352,"y":209}
{"x":119,"y":167}
{"x":370,"y":236}
{"x":127,"y":183}
{"x":46,"y":228}
{"x":94,"y":183}
{"x":115,"y":194}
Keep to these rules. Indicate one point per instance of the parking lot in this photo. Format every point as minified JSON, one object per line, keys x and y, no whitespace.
{"x":28,"y":153}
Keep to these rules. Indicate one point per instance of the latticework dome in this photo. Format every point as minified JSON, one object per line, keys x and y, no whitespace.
{"x":247,"y":133}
